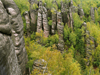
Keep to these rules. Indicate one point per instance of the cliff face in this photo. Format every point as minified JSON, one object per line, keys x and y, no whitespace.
{"x":8,"y":59}
{"x":13,"y":58}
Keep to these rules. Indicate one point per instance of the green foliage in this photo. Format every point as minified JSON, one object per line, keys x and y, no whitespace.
{"x":94,"y":31}
{"x":22,"y":5}
{"x":35,"y":6}
{"x":67,"y":32}
{"x":72,"y":38}
{"x":47,"y":41}
{"x":96,"y":16}
{"x":50,"y":22}
{"x":32,"y":37}
{"x":72,"y":61}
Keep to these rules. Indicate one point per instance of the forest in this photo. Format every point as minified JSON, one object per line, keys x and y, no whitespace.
{"x":73,"y":50}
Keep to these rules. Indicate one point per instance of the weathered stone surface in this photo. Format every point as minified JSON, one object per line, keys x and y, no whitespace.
{"x":70,"y":18}
{"x":54,"y":21}
{"x":45,"y":23}
{"x":60,"y":29}
{"x":42,"y":20}
{"x":8,"y":59}
{"x":27,"y":18}
{"x":80,"y":11}
{"x":64,"y":12}
{"x":39,"y":19}
{"x":33,"y":15}
{"x":41,"y":66}
{"x":17,"y":33}
{"x":92,"y":14}
{"x":90,"y":43}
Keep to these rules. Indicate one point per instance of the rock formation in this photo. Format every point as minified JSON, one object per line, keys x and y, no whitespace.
{"x":92,"y":14}
{"x":27,"y":18}
{"x":69,"y":14}
{"x":64,"y":12}
{"x":54,"y":21}
{"x":8,"y":59}
{"x":80,"y":12}
{"x":60,"y":29}
{"x":90,"y":44}
{"x":45,"y":23}
{"x":33,"y":15}
{"x":42,"y":20}
{"x":70,"y":18}
{"x":17,"y":33}
{"x":39,"y":19}
{"x":41,"y":66}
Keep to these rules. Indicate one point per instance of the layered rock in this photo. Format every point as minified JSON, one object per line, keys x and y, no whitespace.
{"x":90,"y":44}
{"x":70,"y":19}
{"x":39,"y":19}
{"x":33,"y":15}
{"x":69,"y":14}
{"x":42,"y":22}
{"x":27,"y":18}
{"x":17,"y":33}
{"x":60,"y":29}
{"x":80,"y":12}
{"x":8,"y":59}
{"x":54,"y":21}
{"x":41,"y":66}
{"x":72,"y":7}
{"x":45,"y":23}
{"x":64,"y":12}
{"x":92,"y":14}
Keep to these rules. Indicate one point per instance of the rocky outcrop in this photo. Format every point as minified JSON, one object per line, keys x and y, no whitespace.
{"x":92,"y":14}
{"x":33,"y":15}
{"x":39,"y":19}
{"x":60,"y":29}
{"x":54,"y":21}
{"x":64,"y":12}
{"x":17,"y":33}
{"x":70,"y":19}
{"x":27,"y":18}
{"x":42,"y":20}
{"x":8,"y":59}
{"x":71,"y":10}
{"x":41,"y":66}
{"x":89,"y":44}
{"x":80,"y":12}
{"x":45,"y":23}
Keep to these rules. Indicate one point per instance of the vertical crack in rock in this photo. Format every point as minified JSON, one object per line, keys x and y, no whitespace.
{"x":17,"y":33}
{"x":8,"y":59}
{"x":42,"y":19}
{"x":60,"y":29}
